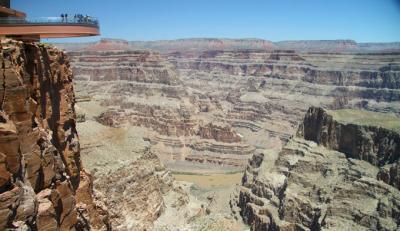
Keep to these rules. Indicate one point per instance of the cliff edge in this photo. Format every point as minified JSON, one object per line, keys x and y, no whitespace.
{"x":43,"y":185}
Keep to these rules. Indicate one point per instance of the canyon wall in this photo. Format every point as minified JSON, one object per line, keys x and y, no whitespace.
{"x":134,"y":111}
{"x":132,"y":66}
{"x":270,"y":91}
{"x":143,"y":89}
{"x":43,"y":185}
{"x":209,"y":110}
{"x":328,"y":176}
{"x":219,"y":106}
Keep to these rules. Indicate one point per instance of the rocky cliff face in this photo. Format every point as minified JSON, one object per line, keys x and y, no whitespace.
{"x":135,"y":66}
{"x":329,"y":176}
{"x":376,"y":145}
{"x":135,"y":198}
{"x":200,"y":110}
{"x":286,"y":64}
{"x":139,"y":191}
{"x":269,"y":92}
{"x":143,"y":89}
{"x":43,"y":185}
{"x":213,"y":106}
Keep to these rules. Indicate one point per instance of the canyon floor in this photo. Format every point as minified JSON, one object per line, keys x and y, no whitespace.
{"x":199,"y":196}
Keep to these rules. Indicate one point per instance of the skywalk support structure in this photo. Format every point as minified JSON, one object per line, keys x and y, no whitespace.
{"x":15,"y":24}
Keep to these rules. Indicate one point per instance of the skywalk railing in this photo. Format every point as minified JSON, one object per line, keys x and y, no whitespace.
{"x":85,"y":20}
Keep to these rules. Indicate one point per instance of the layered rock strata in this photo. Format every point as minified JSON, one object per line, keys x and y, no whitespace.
{"x":135,"y":199}
{"x":329,"y":176}
{"x":376,"y":145}
{"x":269,"y":91}
{"x":243,"y":94}
{"x":143,"y":89}
{"x":140,"y":192}
{"x":137,"y":66}
{"x":43,"y":185}
{"x":221,"y":106}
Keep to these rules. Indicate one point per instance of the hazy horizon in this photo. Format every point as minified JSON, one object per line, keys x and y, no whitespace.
{"x":98,"y":38}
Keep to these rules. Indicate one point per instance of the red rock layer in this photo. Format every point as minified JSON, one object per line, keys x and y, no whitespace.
{"x":40,"y":167}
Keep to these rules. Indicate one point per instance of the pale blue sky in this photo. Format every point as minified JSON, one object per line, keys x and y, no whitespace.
{"x":275,"y":20}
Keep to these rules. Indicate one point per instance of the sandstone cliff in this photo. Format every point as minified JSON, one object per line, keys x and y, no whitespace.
{"x":331,"y":175}
{"x":43,"y":185}
{"x":376,"y":145}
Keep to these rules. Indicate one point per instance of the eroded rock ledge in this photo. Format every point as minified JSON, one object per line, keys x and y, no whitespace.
{"x":331,"y":175}
{"x":376,"y":145}
{"x":43,"y":185}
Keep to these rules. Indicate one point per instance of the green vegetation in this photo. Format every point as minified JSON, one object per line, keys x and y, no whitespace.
{"x":362,"y":117}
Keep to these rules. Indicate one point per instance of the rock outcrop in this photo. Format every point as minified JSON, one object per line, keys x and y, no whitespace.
{"x":43,"y":185}
{"x":135,"y":198}
{"x":328,"y":176}
{"x":376,"y":145}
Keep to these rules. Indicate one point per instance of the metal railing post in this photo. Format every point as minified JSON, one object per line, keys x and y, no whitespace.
{"x":51,"y":20}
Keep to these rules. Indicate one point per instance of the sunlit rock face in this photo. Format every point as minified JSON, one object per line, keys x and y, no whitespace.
{"x":269,"y":91}
{"x":200,"y":107}
{"x":237,"y":95}
{"x":332,"y":175}
{"x":135,"y":111}
{"x":132,"y":66}
{"x":41,"y":170}
{"x":143,"y":89}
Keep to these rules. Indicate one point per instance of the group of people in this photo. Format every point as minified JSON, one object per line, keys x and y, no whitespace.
{"x":79,"y":18}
